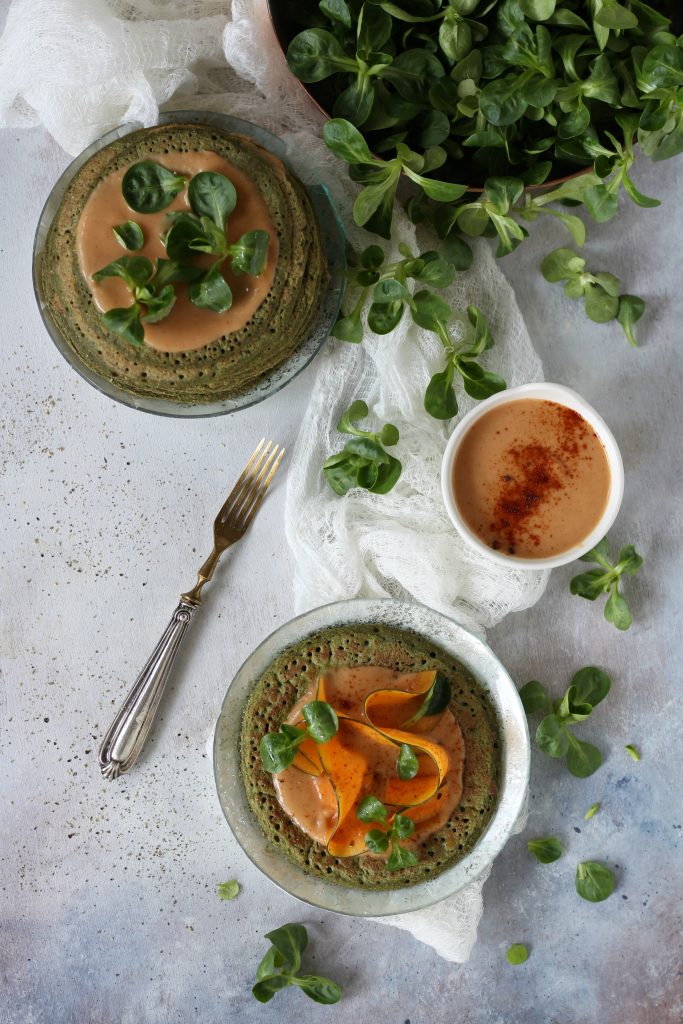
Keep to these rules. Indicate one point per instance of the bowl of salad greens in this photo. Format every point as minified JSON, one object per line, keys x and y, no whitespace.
{"x":454,"y":93}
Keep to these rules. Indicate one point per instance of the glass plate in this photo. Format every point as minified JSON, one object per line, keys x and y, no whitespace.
{"x":334,"y":242}
{"x":492,"y":677}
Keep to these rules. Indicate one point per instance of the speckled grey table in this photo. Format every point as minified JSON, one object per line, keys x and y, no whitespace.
{"x":108,"y":908}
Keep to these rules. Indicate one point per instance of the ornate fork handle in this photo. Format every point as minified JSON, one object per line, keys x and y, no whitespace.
{"x":125,"y":738}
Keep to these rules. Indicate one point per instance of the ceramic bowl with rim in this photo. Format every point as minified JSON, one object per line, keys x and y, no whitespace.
{"x":551,"y":393}
{"x":333,"y":240}
{"x":515,"y":755}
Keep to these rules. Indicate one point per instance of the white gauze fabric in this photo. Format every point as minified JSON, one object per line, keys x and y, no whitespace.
{"x":81,"y":67}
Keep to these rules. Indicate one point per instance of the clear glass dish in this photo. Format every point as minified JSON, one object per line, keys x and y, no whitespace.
{"x":450,"y":637}
{"x":334,"y":241}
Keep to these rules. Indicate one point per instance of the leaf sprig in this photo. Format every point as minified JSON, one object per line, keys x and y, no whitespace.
{"x":599,"y":290}
{"x":554,"y":736}
{"x":605,"y":580}
{"x":280,"y":968}
{"x":377,"y":840}
{"x":278,"y":749}
{"x":149,"y":188}
{"x":363,"y":462}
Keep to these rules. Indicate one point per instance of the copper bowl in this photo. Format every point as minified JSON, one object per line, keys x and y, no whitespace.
{"x":285,"y":28}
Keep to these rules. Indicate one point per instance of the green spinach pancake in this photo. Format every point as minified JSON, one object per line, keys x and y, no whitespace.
{"x":213,"y":322}
{"x":370,"y":757}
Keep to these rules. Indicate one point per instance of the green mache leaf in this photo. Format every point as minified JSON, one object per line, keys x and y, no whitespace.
{"x":268,"y":966}
{"x":617,"y":610}
{"x":355,"y":103}
{"x":349,"y":328}
{"x":134,"y":270}
{"x":592,"y":810}
{"x":377,"y":841}
{"x":265,"y":989}
{"x":383,"y":317}
{"x":440,"y":401}
{"x":582,"y":758}
{"x":366,"y":448}
{"x":402,"y":826}
{"x":290,"y":941}
{"x":401,"y":858}
{"x":316,"y":54}
{"x":552,"y":737}
{"x":357,"y":411}
{"x":629,"y":561}
{"x":613,"y":16}
{"x":148,"y":187}
{"x":600,"y":203}
{"x":342,"y":472}
{"x":391,"y":290}
{"x":184,"y":236}
{"x":600,"y":551}
{"x":631,"y":750}
{"x":169,"y":271}
{"x":479,"y":383}
{"x":125,"y":321}
{"x":389,"y":434}
{"x":436,"y":271}
{"x":321,"y":990}
{"x":371,"y":809}
{"x":430,"y":311}
{"x":158,"y":305}
{"x":599,"y":305}
{"x":249,"y":253}
{"x":407,"y":764}
{"x":457,"y":252}
{"x":212,"y":195}
{"x":228,"y":890}
{"x":517,"y":954}
{"x":594,"y":881}
{"x":545,"y":850}
{"x":212,"y":291}
{"x":336,"y":10}
{"x":388,"y":474}
{"x":570,"y":710}
{"x":591,"y":685}
{"x":502,"y":101}
{"x":347,"y":143}
{"x":321,"y":720}
{"x":372,"y":258}
{"x":631,"y":308}
{"x":561,"y":265}
{"x":129,"y":235}
{"x":439,"y":191}
{"x":590,"y":584}
{"x":534,"y":698}
{"x":277,"y":751}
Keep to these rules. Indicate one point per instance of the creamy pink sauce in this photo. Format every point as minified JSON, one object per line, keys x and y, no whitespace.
{"x":187,"y":327}
{"x":310,"y":800}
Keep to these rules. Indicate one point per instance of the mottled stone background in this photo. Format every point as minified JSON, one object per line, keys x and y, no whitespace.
{"x":108,"y":907}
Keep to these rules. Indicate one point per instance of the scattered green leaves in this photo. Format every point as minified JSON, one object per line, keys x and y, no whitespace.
{"x":280,"y":968}
{"x":363,"y":462}
{"x":600,"y":290}
{"x":396,"y":829}
{"x":278,"y":749}
{"x":606,"y":580}
{"x":631,"y":750}
{"x":228,"y":890}
{"x":594,"y":882}
{"x":593,"y":809}
{"x":517,"y":954}
{"x":545,"y":850}
{"x":554,"y":737}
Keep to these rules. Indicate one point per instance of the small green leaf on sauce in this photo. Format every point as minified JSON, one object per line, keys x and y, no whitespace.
{"x":228,"y":890}
{"x":517,"y":954}
{"x":129,"y":235}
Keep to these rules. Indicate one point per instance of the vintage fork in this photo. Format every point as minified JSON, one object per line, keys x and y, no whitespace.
{"x":125,"y":738}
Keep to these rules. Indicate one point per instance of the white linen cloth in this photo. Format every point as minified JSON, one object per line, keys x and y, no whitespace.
{"x":81,"y":67}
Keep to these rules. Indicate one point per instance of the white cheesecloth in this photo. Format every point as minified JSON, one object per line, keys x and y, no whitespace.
{"x":82,"y":67}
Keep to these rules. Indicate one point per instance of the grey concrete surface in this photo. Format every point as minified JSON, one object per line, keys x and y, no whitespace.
{"x":108,"y":909}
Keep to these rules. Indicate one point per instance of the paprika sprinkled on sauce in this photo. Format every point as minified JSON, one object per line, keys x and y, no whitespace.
{"x":531,"y":478}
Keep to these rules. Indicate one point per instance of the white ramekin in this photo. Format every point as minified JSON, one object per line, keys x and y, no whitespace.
{"x":551,"y":393}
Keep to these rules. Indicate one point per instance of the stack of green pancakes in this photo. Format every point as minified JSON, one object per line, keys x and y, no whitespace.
{"x":234,"y":363}
{"x":287,"y":680}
